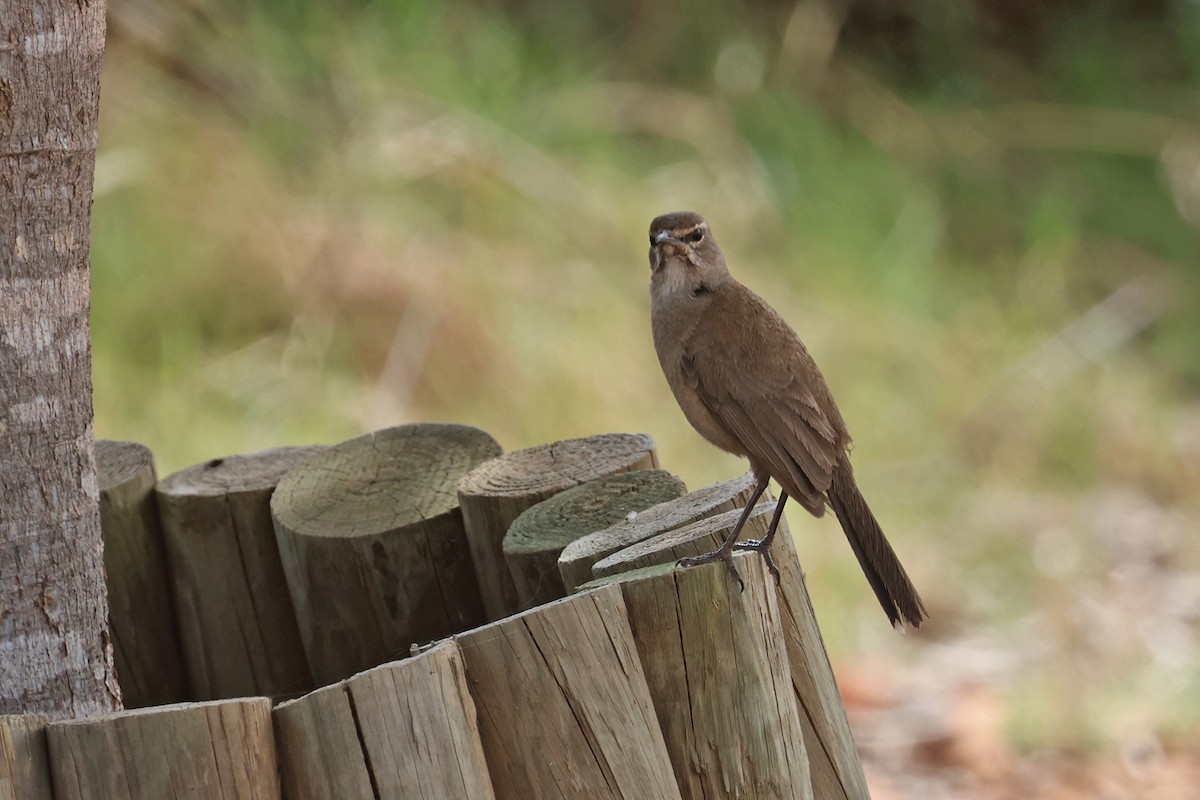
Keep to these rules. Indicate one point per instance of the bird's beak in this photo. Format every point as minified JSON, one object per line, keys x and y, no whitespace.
{"x":663,"y":236}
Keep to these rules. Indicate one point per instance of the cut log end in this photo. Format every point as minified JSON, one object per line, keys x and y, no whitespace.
{"x":577,"y":558}
{"x":536,"y":538}
{"x":249,"y":472}
{"x":119,"y":462}
{"x":593,"y":506}
{"x":381,"y":481}
{"x":690,"y":540}
{"x":551,"y":468}
{"x":496,"y":492}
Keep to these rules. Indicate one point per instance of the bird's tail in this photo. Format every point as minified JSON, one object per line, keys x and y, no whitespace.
{"x":884,"y":572}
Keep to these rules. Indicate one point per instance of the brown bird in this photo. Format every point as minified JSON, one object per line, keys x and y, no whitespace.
{"x":746,"y":382}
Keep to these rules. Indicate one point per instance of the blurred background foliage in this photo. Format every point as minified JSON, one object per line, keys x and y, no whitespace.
{"x":314,"y":219}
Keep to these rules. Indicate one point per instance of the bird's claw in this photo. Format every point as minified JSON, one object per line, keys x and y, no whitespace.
{"x":720,"y":554}
{"x":763,"y":546}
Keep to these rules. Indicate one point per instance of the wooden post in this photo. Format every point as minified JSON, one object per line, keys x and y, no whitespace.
{"x":140,"y":608}
{"x":222,"y":750}
{"x":537,"y":537}
{"x":577,"y":559}
{"x":833,"y":760}
{"x":24,"y":765}
{"x":690,"y":540}
{"x":236,"y":623}
{"x":320,"y":755}
{"x":836,"y":769}
{"x":405,"y":729}
{"x":718,"y":673}
{"x":496,"y":492}
{"x":373,"y":544}
{"x":564,"y":709}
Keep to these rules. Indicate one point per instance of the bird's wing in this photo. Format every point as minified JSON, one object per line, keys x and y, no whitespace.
{"x":762,"y":386}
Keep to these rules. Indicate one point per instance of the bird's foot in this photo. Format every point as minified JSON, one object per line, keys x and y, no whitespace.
{"x":763,"y":546}
{"x":722,"y":553}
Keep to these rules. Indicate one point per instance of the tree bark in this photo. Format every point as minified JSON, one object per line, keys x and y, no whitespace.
{"x":55,"y":653}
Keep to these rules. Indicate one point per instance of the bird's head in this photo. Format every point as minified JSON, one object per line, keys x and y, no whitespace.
{"x":683,"y":252}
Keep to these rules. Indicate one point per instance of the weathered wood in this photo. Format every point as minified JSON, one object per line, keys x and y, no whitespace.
{"x":24,"y":764}
{"x":419,"y":727}
{"x":564,"y":709}
{"x":320,"y":755}
{"x":404,"y":729}
{"x":221,"y":750}
{"x":496,"y":492}
{"x":141,"y":610}
{"x":373,"y":544}
{"x":690,"y":540}
{"x":833,"y":760}
{"x":577,"y":559}
{"x":537,"y":537}
{"x":718,"y":673}
{"x":836,"y":770}
{"x":236,"y":623}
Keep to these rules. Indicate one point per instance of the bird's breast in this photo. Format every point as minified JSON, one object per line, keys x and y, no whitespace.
{"x":671,"y":335}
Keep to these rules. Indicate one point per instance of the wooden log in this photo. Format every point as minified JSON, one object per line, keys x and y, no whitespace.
{"x":718,"y":673}
{"x":833,"y":760}
{"x":577,"y":558}
{"x":373,"y":544}
{"x":319,"y":753}
{"x":690,"y":540}
{"x":537,"y":537}
{"x":496,"y":492}
{"x":221,"y":750}
{"x":24,"y":764}
{"x":419,"y":727}
{"x":140,"y":607}
{"x":404,"y":729}
{"x":236,"y":622}
{"x":564,"y":709}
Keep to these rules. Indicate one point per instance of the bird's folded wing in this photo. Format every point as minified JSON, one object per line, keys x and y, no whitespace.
{"x":767,"y":408}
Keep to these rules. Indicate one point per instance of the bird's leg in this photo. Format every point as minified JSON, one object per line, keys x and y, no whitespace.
{"x":725,"y":551}
{"x":763,"y":545}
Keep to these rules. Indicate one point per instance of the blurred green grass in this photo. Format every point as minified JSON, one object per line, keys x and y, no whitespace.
{"x":317,"y":219}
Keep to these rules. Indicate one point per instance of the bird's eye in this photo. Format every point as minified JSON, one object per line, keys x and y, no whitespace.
{"x":652,"y":240}
{"x":696,"y":235}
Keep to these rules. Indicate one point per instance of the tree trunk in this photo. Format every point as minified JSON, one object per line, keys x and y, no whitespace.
{"x":55,"y":653}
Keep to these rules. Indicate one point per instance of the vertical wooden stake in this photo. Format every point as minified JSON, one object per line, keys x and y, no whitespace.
{"x":834,"y":765}
{"x":141,"y":610}
{"x":718,"y":672}
{"x":24,"y":765}
{"x":401,"y":730}
{"x":236,"y":622}
{"x":223,"y":750}
{"x":372,"y":541}
{"x":564,"y":710}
